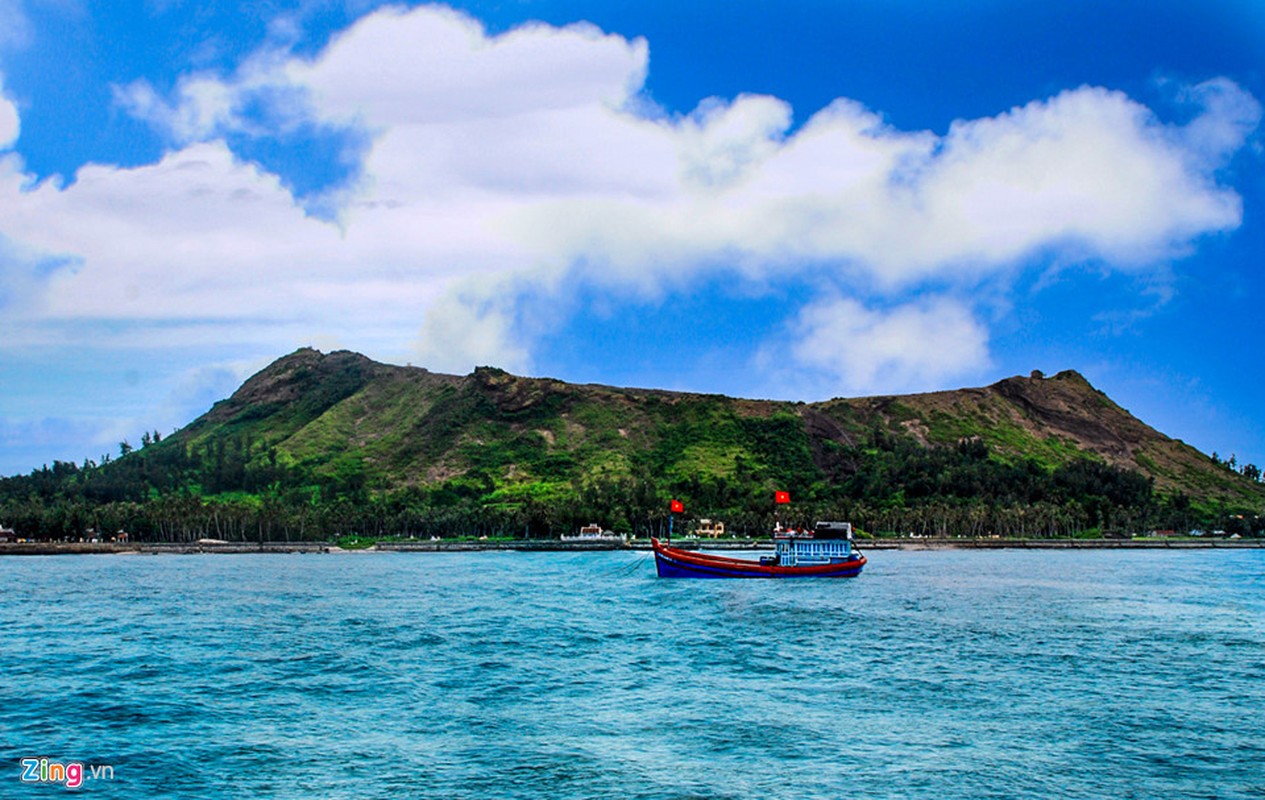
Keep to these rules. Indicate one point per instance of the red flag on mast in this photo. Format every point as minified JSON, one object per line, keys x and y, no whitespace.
{"x":677,"y":507}
{"x":781,"y":497}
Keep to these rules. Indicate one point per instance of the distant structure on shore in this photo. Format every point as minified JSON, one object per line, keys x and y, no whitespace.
{"x":592,"y":532}
{"x":710,"y":530}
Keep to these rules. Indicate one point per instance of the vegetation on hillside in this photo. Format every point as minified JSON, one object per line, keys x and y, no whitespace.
{"x":321,"y":446}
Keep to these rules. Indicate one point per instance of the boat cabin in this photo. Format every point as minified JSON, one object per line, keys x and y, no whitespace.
{"x":826,"y":543}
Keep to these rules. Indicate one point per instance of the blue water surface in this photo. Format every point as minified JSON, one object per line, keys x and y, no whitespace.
{"x":997,"y":674}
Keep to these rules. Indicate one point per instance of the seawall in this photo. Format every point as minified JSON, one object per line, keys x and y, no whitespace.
{"x":555,"y":545}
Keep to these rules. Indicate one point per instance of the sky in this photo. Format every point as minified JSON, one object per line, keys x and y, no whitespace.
{"x":796,"y":200}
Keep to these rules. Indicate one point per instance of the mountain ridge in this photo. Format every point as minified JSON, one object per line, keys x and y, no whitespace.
{"x":336,"y":442}
{"x":1052,"y":419}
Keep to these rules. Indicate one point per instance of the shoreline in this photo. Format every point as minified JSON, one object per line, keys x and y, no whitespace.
{"x":555,"y":545}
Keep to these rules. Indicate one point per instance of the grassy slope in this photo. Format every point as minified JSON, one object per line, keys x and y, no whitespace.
{"x":340,"y":414}
{"x":1054,"y":420}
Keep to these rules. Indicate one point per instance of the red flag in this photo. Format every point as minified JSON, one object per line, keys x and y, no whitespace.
{"x":677,"y":507}
{"x":781,"y":497}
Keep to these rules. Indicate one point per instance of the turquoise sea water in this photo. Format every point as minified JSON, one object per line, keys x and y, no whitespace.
{"x":1003,"y":674}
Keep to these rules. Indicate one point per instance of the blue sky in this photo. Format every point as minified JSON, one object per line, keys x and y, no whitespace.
{"x":797,"y":200}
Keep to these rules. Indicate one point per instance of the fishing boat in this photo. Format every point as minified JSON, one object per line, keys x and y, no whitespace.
{"x":826,"y":551}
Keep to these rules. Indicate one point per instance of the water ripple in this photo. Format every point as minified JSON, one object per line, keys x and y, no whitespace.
{"x":972,"y":674}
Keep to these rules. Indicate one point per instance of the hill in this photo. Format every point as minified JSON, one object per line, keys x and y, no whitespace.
{"x":317,"y":440}
{"x":1054,"y":421}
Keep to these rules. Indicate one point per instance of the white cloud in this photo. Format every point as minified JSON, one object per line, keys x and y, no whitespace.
{"x":10,"y":124}
{"x":720,"y":143}
{"x":465,"y":331}
{"x":497,"y":165}
{"x":205,"y":107}
{"x":15,"y":27}
{"x":1229,"y":117}
{"x":436,"y":66}
{"x":840,"y":345}
{"x":1088,"y":170}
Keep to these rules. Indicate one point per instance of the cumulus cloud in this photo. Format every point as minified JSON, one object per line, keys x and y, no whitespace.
{"x":500,"y":166}
{"x":472,"y":330}
{"x":1088,"y":170}
{"x":836,"y":341}
{"x":10,"y":125}
{"x":436,"y":66}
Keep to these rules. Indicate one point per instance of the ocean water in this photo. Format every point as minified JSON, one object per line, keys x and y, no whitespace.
{"x":997,"y":674}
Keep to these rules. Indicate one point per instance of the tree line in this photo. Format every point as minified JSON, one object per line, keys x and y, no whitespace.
{"x":238,"y":488}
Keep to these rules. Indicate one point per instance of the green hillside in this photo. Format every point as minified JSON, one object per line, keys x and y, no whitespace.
{"x":317,"y":445}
